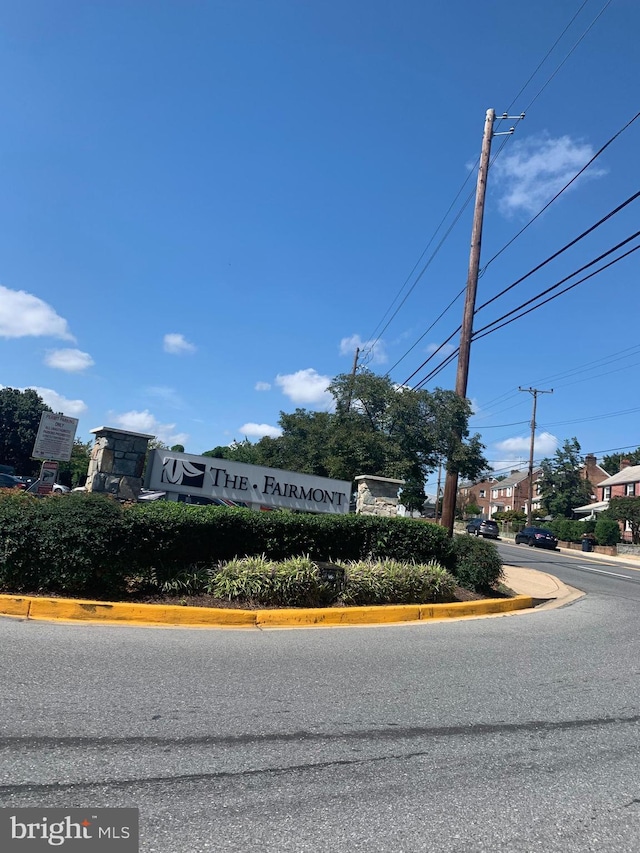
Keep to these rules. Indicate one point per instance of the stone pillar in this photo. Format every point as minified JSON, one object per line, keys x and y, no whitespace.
{"x":117,"y":462}
{"x":377,"y":495}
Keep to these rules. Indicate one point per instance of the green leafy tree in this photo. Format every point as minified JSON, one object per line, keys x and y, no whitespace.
{"x":561,"y":486}
{"x":20,"y":413}
{"x":178,"y":448}
{"x":626,"y":510}
{"x":412,"y":496}
{"x":377,"y":428}
{"x":611,"y":463}
{"x":74,"y":472}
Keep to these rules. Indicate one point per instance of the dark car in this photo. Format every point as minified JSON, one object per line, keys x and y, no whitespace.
{"x":8,"y":481}
{"x":483,"y":527}
{"x":537,"y":537}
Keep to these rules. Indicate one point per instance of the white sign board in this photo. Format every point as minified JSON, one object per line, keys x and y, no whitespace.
{"x":55,"y":437}
{"x":203,"y":479}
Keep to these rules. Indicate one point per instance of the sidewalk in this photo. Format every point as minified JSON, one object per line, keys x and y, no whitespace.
{"x":540,"y":586}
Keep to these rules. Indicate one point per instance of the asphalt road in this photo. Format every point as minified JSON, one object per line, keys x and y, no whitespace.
{"x":617,"y":578}
{"x":515,"y":733}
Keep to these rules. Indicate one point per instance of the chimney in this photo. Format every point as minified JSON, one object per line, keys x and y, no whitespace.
{"x":624,"y":463}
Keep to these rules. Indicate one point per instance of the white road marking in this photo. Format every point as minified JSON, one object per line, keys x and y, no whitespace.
{"x":602,"y":572}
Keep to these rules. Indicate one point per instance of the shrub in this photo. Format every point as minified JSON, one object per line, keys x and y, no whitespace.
{"x":607,"y":531}
{"x":295,"y":582}
{"x":62,"y":543}
{"x":477,"y":563}
{"x":387,"y":581}
{"x":570,"y":530}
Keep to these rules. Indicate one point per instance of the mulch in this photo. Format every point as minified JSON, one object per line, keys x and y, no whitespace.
{"x":460,"y":594}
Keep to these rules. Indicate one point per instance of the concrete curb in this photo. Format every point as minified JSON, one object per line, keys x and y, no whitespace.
{"x":107,"y":612}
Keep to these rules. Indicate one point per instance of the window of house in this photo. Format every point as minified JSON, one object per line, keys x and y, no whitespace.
{"x":630,"y":489}
{"x":494,"y":493}
{"x":508,"y":491}
{"x":606,"y":493}
{"x":483,"y":493}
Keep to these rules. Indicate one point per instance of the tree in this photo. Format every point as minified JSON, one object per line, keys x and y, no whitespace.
{"x":561,"y":486}
{"x":626,"y":510}
{"x":20,"y":413}
{"x":611,"y":463}
{"x":178,"y":448}
{"x":74,"y":472}
{"x":377,"y":428}
{"x":412,"y":496}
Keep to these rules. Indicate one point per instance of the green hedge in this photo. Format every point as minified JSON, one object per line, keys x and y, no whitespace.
{"x":90,"y":544}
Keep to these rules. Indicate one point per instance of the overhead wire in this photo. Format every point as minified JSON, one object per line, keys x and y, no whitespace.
{"x":523,"y":88}
{"x":482,"y":332}
{"x":559,"y":193}
{"x":478,"y":336}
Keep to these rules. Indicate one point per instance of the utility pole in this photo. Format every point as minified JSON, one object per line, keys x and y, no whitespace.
{"x":451,"y":479}
{"x":438,"y":490}
{"x":534,"y":392}
{"x":353,"y":377}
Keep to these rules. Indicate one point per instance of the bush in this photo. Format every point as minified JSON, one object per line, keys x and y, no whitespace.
{"x":477,"y":563}
{"x":607,"y":531}
{"x":62,"y":543}
{"x":369,"y":582}
{"x":257,"y":580}
{"x":569,"y":530}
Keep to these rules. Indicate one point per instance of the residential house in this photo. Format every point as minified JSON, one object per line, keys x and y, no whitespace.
{"x":626,"y":483}
{"x":493,"y":495}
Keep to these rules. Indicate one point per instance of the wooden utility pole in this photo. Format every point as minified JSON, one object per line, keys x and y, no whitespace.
{"x":353,"y":377}
{"x":451,"y":479}
{"x":534,"y":392}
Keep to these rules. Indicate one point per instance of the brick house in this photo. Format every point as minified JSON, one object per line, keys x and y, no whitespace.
{"x":493,"y":495}
{"x":626,"y":483}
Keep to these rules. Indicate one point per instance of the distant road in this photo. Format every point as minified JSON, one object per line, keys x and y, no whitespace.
{"x":613,"y":578}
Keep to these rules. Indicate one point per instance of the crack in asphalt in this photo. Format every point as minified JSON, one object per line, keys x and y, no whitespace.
{"x":394,"y":732}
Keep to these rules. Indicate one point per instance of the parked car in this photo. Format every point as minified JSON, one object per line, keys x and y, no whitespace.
{"x":8,"y":481}
{"x":483,"y":527}
{"x":537,"y":537}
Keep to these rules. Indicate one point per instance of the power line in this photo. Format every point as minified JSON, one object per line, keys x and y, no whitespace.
{"x":497,"y":324}
{"x":478,"y":333}
{"x":567,"y":246}
{"x":555,"y":296}
{"x":468,"y":199}
{"x":558,"y":194}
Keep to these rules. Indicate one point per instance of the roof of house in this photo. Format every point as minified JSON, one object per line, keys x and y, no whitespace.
{"x":630,"y":474}
{"x":599,"y":506}
{"x":513,"y":478}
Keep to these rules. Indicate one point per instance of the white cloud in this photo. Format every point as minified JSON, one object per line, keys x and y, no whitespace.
{"x":446,"y":350}
{"x":259,"y":430}
{"x":306,"y":386}
{"x":373,"y":352}
{"x":145,"y":422}
{"x":535,"y":169}
{"x":262,"y":386}
{"x":514,"y":452}
{"x":24,"y":315}
{"x":177,"y":344}
{"x":169,"y":396}
{"x":71,"y":408}
{"x":71,"y":360}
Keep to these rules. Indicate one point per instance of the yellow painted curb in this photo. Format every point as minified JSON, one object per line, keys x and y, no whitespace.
{"x":79,"y":610}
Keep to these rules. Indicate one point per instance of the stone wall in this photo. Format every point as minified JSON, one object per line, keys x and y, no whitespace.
{"x":117,"y":462}
{"x":377,"y":496}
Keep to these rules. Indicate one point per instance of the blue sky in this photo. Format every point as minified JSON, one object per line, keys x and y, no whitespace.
{"x":206,"y":207}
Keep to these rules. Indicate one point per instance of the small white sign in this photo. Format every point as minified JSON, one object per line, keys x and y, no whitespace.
{"x":55,"y":437}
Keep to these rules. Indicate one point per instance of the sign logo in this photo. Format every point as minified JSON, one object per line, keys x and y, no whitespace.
{"x":86,"y":830}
